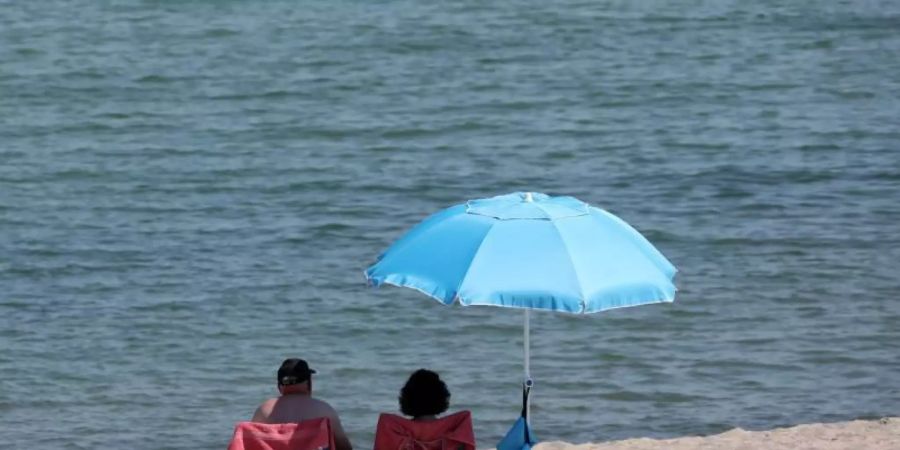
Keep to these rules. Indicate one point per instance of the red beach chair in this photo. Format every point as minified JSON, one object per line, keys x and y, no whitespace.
{"x":312,"y":434}
{"x":453,"y":432}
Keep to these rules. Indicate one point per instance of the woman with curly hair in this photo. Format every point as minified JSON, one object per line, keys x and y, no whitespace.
{"x":424,"y":396}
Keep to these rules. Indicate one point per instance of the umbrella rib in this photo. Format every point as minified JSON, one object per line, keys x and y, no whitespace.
{"x":474,"y":255}
{"x":565,"y":244}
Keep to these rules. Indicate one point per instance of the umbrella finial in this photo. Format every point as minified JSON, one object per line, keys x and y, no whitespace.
{"x":528,"y":197}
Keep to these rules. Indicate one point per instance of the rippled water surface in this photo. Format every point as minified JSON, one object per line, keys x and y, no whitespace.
{"x":190,"y":191}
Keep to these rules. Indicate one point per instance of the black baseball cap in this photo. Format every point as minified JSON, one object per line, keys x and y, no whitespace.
{"x":294,"y":371}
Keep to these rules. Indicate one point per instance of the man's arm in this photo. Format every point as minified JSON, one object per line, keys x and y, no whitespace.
{"x":341,"y":442}
{"x":262,"y":413}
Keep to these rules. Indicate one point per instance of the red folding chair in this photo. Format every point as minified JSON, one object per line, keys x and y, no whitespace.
{"x":453,"y":432}
{"x":314,"y":434}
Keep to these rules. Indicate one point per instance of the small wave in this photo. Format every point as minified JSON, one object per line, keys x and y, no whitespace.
{"x":885,"y":175}
{"x":154,"y":79}
{"x":745,"y":364}
{"x":660,"y":236}
{"x":850,"y":94}
{"x":656,"y":397}
{"x":770,"y":87}
{"x":416,"y":132}
{"x":14,"y":304}
{"x":625,"y":396}
{"x":684,"y":312}
{"x":220,"y":32}
{"x":28,"y":51}
{"x":560,"y":155}
{"x":834,"y":359}
{"x":171,"y":306}
{"x":732,"y":192}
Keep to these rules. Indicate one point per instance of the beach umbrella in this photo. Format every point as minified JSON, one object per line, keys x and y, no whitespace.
{"x":529,"y":251}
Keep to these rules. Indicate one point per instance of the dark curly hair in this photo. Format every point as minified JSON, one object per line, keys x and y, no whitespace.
{"x":424,"y":394}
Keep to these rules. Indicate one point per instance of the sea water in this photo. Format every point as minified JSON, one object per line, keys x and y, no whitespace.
{"x":190,"y":192}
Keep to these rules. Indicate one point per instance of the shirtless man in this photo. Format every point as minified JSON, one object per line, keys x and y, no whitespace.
{"x":296,"y":403}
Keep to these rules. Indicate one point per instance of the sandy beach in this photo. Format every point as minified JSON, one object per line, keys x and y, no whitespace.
{"x":880,"y":434}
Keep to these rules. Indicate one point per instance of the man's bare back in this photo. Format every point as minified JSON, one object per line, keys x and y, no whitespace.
{"x":293,"y":408}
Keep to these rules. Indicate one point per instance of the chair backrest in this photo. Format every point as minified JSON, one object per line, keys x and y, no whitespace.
{"x":453,"y":432}
{"x":314,"y":434}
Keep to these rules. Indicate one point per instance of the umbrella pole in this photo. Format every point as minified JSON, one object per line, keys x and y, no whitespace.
{"x":528,"y":382}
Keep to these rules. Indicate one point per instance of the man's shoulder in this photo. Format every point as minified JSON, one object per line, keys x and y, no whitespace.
{"x":320,"y":404}
{"x":264,"y":410}
{"x":291,"y":409}
{"x":269,"y":403}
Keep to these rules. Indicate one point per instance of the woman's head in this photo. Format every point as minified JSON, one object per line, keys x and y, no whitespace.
{"x":424,"y":394}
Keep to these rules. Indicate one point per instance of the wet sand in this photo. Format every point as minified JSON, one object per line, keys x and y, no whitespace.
{"x":883,"y":434}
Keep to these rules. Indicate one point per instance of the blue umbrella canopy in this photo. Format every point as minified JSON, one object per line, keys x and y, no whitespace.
{"x":531,"y":251}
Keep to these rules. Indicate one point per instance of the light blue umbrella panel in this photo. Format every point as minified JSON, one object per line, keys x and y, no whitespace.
{"x":529,"y":251}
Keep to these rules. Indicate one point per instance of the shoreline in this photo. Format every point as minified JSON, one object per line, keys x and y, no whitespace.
{"x":880,"y":434}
